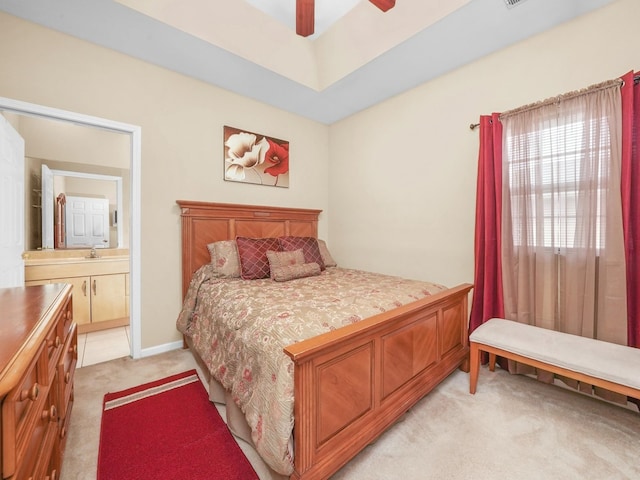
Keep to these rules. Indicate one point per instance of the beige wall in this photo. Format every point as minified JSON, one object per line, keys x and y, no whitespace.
{"x":182,"y":152}
{"x":403,"y":173}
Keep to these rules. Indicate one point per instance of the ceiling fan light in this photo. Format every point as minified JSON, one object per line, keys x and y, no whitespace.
{"x":384,"y":5}
{"x":305,"y":17}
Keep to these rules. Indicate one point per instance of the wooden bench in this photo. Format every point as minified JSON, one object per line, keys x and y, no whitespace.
{"x":603,"y":364}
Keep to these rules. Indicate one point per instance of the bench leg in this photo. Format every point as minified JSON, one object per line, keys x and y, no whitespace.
{"x":474,"y":357}
{"x":492,"y":362}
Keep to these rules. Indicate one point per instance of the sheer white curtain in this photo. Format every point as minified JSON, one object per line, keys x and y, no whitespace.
{"x":562,"y":240}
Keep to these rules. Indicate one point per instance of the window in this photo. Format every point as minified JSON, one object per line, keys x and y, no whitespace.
{"x":562,"y":240}
{"x":549,"y":185}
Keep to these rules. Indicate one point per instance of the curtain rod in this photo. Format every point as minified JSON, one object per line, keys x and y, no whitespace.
{"x":636,"y":80}
{"x":565,"y":96}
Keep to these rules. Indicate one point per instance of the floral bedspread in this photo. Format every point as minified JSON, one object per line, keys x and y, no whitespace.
{"x":240,"y":327}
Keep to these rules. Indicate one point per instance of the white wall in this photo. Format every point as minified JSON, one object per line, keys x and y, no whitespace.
{"x":403,"y":173}
{"x":182,"y":152}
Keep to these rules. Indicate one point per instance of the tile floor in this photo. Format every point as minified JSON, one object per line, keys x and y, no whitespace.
{"x":103,"y":345}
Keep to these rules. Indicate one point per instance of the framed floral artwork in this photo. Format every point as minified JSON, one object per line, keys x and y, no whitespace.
{"x":255,"y":158}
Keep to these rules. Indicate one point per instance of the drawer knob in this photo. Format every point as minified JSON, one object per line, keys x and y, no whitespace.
{"x":30,"y":393}
{"x":55,"y":343}
{"x":67,"y":377}
{"x":51,"y":414}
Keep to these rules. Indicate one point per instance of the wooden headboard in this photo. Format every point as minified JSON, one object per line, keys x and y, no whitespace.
{"x":204,"y":223}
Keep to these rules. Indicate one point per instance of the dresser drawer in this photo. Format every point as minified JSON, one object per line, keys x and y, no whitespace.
{"x":52,"y":348}
{"x":64,"y":427}
{"x":67,"y":317}
{"x":66,"y":370}
{"x":37,"y":460}
{"x":21,"y":410}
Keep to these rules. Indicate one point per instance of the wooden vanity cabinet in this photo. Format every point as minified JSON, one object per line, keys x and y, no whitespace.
{"x":98,"y":298}
{"x":37,"y":365}
{"x":108,"y":297}
{"x":100,"y":289}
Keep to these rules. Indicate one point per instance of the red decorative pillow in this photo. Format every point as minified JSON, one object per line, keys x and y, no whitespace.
{"x":254,"y":263}
{"x":309,"y":246}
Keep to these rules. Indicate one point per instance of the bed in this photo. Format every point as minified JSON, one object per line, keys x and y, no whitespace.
{"x":382,"y":364}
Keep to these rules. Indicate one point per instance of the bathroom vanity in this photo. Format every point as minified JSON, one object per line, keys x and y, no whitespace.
{"x":100,"y":283}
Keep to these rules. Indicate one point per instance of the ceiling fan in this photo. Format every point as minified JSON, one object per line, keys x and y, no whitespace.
{"x":305,"y":14}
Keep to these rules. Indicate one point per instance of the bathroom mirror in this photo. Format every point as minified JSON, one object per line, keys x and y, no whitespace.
{"x":80,"y":210}
{"x":90,"y":166}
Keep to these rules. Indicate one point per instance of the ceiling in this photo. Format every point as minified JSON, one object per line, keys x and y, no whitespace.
{"x":365,"y":57}
{"x":326,"y":12}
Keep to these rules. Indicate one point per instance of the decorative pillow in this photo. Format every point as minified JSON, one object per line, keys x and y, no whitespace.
{"x":224,"y":258}
{"x":283,"y":259}
{"x":253,"y":256}
{"x":326,"y":256}
{"x":309,"y":246}
{"x":291,"y":272}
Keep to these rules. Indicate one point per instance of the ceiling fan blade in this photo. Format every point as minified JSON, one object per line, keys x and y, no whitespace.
{"x":384,"y":5}
{"x":305,"y":17}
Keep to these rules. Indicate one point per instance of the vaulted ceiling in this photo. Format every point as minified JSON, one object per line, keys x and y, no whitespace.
{"x":365,"y":57}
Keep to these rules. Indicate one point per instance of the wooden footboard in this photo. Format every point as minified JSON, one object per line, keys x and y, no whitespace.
{"x":353,"y":383}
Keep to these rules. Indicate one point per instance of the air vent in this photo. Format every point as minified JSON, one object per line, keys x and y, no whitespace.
{"x":512,"y":3}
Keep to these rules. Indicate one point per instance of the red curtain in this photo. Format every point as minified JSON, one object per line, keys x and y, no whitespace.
{"x":487,"y":292}
{"x":631,"y":201}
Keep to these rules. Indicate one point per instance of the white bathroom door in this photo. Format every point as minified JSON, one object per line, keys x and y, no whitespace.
{"x":87,"y":222}
{"x":11,"y":206}
{"x":47,"y":204}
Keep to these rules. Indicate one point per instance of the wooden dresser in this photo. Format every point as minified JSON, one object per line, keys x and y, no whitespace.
{"x":38,"y":356}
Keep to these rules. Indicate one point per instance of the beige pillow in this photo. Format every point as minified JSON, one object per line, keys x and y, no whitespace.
{"x":225,"y":258}
{"x":326,"y":256}
{"x":291,"y":272}
{"x":283,"y":259}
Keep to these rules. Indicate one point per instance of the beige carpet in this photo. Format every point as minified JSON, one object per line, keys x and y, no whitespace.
{"x":513,"y":428}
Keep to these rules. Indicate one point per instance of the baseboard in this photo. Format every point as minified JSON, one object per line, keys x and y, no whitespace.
{"x":167,"y":347}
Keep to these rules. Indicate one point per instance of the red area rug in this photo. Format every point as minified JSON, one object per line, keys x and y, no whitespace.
{"x":167,"y":429}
